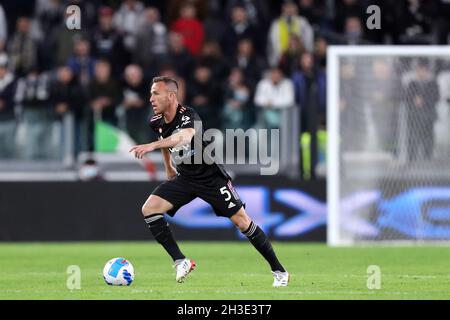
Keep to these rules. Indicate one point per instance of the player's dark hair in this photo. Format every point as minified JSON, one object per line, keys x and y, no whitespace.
{"x":166,"y":80}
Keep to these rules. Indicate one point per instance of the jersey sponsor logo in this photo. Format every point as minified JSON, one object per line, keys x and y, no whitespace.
{"x":231,"y":205}
{"x":185,"y":120}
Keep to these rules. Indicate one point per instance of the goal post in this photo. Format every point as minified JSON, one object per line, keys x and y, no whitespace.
{"x":388,"y":123}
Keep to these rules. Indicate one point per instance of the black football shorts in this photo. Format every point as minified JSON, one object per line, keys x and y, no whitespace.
{"x":217,"y":191}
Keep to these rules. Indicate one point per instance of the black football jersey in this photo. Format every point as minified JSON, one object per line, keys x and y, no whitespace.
{"x":184,"y":156}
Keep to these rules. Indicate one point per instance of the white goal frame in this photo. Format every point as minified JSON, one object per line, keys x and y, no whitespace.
{"x":333,"y":165}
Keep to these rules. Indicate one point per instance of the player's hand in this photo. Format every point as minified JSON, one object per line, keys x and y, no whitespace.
{"x":142,"y":149}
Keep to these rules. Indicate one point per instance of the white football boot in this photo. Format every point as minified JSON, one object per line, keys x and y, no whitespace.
{"x":280,"y":279}
{"x":183,"y":268}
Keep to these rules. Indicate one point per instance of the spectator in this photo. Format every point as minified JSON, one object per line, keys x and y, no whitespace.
{"x":108,"y":43}
{"x":289,"y":59}
{"x":422,"y":94}
{"x":104,"y":93}
{"x":135,"y":103}
{"x":179,"y":57}
{"x":239,"y":28}
{"x":310,"y":95}
{"x":67,"y":96}
{"x":205,"y":97}
{"x":235,"y":113}
{"x":126,"y":21}
{"x":215,"y":24}
{"x":7,"y":117}
{"x":49,"y":15}
{"x":353,"y":31}
{"x":273,"y":93}
{"x":310,"y":92}
{"x":212,"y":57}
{"x":190,"y":28}
{"x":320,"y":53}
{"x":346,"y":9}
{"x":14,"y":10}
{"x":62,"y":42}
{"x":250,"y":64}
{"x":175,"y":6}
{"x":151,"y":40}
{"x":258,"y":12}
{"x":23,"y":48}
{"x":288,"y":23}
{"x":33,"y":94}
{"x":66,"y":93}
{"x":82,"y":63}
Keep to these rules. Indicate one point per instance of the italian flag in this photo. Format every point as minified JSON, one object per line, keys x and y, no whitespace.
{"x":108,"y":138}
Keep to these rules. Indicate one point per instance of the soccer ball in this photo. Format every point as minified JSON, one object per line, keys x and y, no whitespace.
{"x":118,"y":272}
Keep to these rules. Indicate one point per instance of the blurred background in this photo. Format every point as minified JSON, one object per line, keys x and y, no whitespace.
{"x":72,"y":101}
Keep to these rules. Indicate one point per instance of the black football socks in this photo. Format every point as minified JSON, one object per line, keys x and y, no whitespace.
{"x":261,"y":242}
{"x":159,"y":227}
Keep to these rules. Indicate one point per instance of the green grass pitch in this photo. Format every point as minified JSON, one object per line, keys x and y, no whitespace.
{"x":226,"y":270}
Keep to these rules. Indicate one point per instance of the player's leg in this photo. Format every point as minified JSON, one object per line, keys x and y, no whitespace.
{"x":221,"y":195}
{"x":167,"y":198}
{"x":261,"y":242}
{"x":153,"y":211}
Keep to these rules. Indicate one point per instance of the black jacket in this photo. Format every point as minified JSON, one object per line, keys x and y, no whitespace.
{"x":7,"y":88}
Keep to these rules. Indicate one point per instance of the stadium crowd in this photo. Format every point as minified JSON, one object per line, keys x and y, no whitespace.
{"x":238,"y":62}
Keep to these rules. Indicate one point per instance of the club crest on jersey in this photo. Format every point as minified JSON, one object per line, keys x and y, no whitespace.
{"x":185,"y":120}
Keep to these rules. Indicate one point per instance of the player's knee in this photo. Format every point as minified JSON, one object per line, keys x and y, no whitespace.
{"x":241,"y":225}
{"x":150,"y":208}
{"x":241,"y":221}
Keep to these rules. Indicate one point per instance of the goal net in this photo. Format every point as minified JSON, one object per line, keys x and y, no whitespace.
{"x":389,"y":144}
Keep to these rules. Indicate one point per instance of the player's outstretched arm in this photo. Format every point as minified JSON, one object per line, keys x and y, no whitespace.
{"x":181,"y":137}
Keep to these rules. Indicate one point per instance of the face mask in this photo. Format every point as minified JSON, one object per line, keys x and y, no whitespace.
{"x":88,"y":172}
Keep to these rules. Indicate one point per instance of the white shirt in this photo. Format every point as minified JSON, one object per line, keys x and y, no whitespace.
{"x":279,"y":96}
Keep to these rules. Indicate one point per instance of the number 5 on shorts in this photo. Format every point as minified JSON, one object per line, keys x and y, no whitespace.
{"x":224,"y":190}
